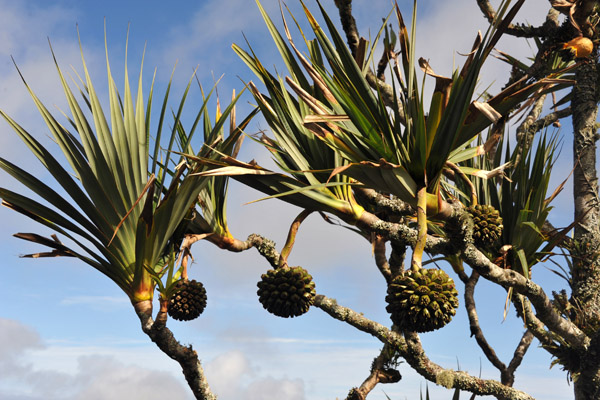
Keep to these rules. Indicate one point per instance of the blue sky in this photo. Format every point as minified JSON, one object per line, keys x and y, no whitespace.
{"x":67,"y":332}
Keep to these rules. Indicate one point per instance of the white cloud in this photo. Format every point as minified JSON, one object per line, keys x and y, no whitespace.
{"x":31,"y":51}
{"x":32,"y":55}
{"x":106,"y":378}
{"x":233,"y":376}
{"x":203,"y":41}
{"x":295,"y":369}
{"x":275,"y":389}
{"x":93,"y":376}
{"x":15,"y":339}
{"x":16,"y":15}
{"x":225,"y":374}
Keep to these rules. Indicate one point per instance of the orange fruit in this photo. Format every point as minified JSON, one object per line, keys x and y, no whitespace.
{"x":581,"y":47}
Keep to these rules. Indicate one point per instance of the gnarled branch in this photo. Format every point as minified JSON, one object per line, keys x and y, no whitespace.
{"x":486,"y":268}
{"x":186,"y":356}
{"x":474,"y":323}
{"x":379,"y":374}
{"x":517,"y":30}
{"x":411,"y":350}
{"x":380,"y":257}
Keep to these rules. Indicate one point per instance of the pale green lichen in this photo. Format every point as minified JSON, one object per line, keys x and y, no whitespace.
{"x":445,"y":379}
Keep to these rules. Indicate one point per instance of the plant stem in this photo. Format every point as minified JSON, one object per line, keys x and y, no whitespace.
{"x":291,"y":239}
{"x":417,"y":256}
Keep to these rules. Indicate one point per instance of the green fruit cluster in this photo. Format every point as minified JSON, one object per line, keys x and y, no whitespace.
{"x":422,"y":301}
{"x":286,"y":291}
{"x":487,"y":225}
{"x":188,"y":300}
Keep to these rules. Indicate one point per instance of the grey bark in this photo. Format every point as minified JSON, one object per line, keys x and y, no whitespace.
{"x":586,"y":266}
{"x":186,"y":356}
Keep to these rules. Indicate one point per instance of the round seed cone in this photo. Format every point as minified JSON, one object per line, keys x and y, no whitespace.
{"x":422,"y":301}
{"x":286,"y":291}
{"x":188,"y":301}
{"x":487,"y":225}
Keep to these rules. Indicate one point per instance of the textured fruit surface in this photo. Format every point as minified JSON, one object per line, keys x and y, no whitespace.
{"x":580,"y":47}
{"x":422,"y":301}
{"x":487,"y":225}
{"x":188,"y":301}
{"x":286,"y":291}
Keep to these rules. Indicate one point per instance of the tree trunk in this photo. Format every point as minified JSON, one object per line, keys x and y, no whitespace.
{"x":186,"y":356}
{"x":586,"y":265}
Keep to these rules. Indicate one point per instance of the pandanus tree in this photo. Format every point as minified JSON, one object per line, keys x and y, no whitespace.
{"x":124,"y":206}
{"x":433,"y":173}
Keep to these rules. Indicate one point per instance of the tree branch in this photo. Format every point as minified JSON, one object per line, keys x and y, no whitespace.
{"x":186,"y":356}
{"x":402,"y":234}
{"x":411,"y":350}
{"x":474,"y":323}
{"x":545,"y":311}
{"x":507,"y":373}
{"x":266,"y":248}
{"x":534,"y":325}
{"x":348,"y":23}
{"x":524,"y":132}
{"x":508,"y":376}
{"x":392,"y":206}
{"x":397,"y":258}
{"x":517,"y":30}
{"x":379,"y":374}
{"x":549,"y":119}
{"x":479,"y":262}
{"x":385,"y":59}
{"x":415,"y":356}
{"x":585,"y":182}
{"x":380,"y":258}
